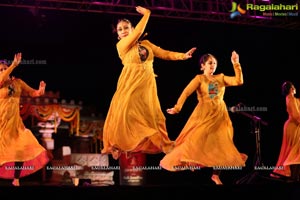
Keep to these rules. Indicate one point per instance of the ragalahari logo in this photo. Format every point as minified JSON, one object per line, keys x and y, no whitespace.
{"x":268,"y":10}
{"x":236,"y":10}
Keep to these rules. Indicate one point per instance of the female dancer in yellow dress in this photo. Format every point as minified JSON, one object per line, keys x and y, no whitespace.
{"x":135,"y":122}
{"x":207,"y":138}
{"x":288,"y":164}
{"x":20,"y":152}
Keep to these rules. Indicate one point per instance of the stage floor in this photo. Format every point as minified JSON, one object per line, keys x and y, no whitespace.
{"x":255,"y":191}
{"x":162,"y":185}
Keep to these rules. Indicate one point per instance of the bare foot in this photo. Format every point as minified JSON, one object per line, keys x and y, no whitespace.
{"x":116,"y":153}
{"x":216,"y":179}
{"x":16,"y":182}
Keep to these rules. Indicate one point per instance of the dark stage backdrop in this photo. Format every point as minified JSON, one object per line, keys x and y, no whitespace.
{"x":75,"y":54}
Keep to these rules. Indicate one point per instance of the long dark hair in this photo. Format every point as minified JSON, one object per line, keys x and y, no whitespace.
{"x":285,"y":88}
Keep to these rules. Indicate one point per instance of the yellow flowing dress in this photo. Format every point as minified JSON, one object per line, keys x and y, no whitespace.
{"x":207,"y":138}
{"x":290,"y":147}
{"x":17,"y":143}
{"x":135,"y":122}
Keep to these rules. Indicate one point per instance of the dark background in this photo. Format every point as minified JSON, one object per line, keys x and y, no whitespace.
{"x":81,"y":62}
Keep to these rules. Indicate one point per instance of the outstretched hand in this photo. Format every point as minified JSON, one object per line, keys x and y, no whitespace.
{"x":234,"y":57}
{"x":42,"y":88}
{"x":40,"y":91}
{"x":17,"y":59}
{"x":190,"y":53}
{"x":171,"y":111}
{"x":142,"y":10}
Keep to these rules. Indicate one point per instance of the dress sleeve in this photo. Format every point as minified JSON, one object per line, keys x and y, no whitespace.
{"x":26,"y":89}
{"x":237,"y":79}
{"x":126,"y":43}
{"x":293,"y":108}
{"x":188,"y":90}
{"x":165,"y":54}
{"x":5,"y":74}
